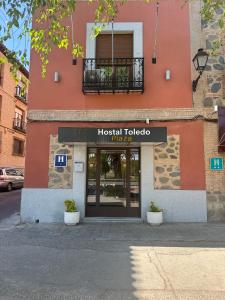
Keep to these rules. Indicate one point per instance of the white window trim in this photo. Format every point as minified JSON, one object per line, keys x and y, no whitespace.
{"x":119,"y":27}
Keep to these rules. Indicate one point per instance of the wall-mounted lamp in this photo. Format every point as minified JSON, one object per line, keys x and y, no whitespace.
{"x":57,"y":77}
{"x":154,"y":60}
{"x":200,"y":61}
{"x":168,"y":75}
{"x":215,"y":108}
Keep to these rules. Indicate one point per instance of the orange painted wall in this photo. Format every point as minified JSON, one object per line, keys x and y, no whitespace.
{"x":191,"y":151}
{"x":7,"y":114}
{"x":173,"y":53}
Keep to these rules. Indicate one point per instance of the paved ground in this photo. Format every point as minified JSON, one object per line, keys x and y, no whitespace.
{"x":9,"y":203}
{"x":112,"y":261}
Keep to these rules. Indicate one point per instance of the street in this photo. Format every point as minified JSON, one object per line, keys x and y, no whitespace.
{"x":9,"y":203}
{"x":112,"y":261}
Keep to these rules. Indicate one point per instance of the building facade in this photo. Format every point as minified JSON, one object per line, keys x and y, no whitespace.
{"x":122,"y":127}
{"x":13,"y":113}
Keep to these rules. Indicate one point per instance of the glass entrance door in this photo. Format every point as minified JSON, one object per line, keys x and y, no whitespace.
{"x":113,"y":178}
{"x":113,"y":182}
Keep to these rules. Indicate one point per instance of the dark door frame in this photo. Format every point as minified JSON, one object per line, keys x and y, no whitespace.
{"x":97,"y":210}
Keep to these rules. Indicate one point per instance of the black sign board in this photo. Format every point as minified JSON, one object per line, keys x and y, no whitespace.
{"x":113,"y":135}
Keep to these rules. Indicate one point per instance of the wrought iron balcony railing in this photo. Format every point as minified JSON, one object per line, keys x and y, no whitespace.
{"x":122,"y":75}
{"x":20,"y":93}
{"x":19,"y":124}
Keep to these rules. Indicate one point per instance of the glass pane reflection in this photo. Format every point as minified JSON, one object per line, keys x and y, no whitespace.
{"x":134,"y":178}
{"x":92,"y":163}
{"x":113,"y":177}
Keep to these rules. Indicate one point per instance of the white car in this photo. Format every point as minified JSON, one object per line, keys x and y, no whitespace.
{"x":11,"y":178}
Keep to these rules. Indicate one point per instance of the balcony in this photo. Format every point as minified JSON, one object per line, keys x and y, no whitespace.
{"x":19,"y":124}
{"x":122,"y":75}
{"x":21,"y":93}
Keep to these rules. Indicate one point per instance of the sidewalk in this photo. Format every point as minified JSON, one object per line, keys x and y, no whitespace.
{"x":112,"y":261}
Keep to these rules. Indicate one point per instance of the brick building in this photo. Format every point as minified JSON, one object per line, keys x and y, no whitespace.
{"x":128,"y":127}
{"x":13,"y":112}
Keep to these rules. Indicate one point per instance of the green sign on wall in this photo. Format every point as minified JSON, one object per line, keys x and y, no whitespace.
{"x":216,"y":163}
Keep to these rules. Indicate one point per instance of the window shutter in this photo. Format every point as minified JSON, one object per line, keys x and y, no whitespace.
{"x":123,"y":46}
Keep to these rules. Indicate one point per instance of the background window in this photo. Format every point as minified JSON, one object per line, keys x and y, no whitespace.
{"x":0,"y":141}
{"x":18,"y":147}
{"x":1,"y":74}
{"x":19,"y":117}
{"x":0,"y":106}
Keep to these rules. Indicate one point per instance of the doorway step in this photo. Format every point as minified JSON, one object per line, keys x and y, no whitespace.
{"x":112,"y":220}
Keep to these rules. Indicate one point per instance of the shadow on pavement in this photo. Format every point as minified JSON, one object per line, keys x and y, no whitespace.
{"x":113,"y":261}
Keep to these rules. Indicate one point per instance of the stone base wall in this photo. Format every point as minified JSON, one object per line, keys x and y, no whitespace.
{"x":60,"y":177}
{"x":167,"y":164}
{"x":215,"y":180}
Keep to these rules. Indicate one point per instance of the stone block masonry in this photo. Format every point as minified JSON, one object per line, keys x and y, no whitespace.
{"x":213,"y":81}
{"x":167,"y":164}
{"x":60,"y":177}
{"x":210,"y":92}
{"x":215,"y":180}
{"x":214,"y":87}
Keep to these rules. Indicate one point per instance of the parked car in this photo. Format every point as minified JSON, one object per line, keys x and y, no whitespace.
{"x":11,"y":178}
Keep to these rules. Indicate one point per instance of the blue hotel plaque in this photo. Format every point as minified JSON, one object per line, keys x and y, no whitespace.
{"x":60,"y":160}
{"x":216,"y":163}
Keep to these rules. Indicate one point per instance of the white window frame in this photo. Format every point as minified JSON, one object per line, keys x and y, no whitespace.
{"x":119,"y":27}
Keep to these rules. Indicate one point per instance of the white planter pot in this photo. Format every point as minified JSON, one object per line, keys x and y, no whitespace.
{"x":71,"y":218}
{"x":154,"y":218}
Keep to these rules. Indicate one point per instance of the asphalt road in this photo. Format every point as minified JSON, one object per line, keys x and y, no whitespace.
{"x":112,"y":261}
{"x":9,"y":203}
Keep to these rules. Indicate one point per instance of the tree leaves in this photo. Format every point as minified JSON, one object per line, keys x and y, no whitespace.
{"x":49,"y":29}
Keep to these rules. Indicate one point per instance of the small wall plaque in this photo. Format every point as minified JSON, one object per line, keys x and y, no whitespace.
{"x":216,"y":163}
{"x":60,"y":160}
{"x":79,"y":166}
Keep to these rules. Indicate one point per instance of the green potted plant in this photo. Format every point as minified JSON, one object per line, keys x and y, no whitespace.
{"x":71,"y":214}
{"x":154,"y":214}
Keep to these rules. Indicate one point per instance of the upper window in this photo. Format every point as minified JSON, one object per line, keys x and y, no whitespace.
{"x":19,"y":120}
{"x":19,"y":113}
{"x":21,"y":89}
{"x":114,"y":60}
{"x":120,"y":46}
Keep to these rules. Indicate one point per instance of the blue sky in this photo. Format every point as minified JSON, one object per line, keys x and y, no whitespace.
{"x":20,"y":45}
{"x":14,"y":44}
